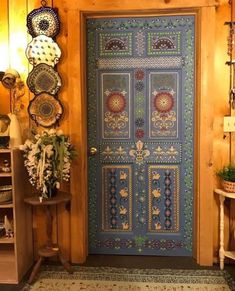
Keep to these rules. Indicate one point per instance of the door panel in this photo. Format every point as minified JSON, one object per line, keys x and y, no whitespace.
{"x":140,"y":119}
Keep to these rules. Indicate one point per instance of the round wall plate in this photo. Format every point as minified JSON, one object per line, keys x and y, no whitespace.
{"x":43,"y":20}
{"x":43,"y":49}
{"x":45,"y":110}
{"x":44,"y":78}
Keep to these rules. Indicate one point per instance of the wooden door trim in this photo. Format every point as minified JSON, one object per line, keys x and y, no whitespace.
{"x":203,"y":237}
{"x":116,"y":6}
{"x":204,"y":136}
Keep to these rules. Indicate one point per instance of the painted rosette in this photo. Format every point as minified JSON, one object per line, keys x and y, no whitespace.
{"x":43,"y":49}
{"x":44,"y":78}
{"x":43,"y":21}
{"x":164,"y":101}
{"x":45,"y":110}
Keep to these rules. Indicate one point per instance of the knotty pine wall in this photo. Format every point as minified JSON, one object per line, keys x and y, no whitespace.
{"x":13,"y":42}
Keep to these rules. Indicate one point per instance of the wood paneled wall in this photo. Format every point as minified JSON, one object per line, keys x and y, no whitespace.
{"x":13,"y":42}
{"x":72,"y":227}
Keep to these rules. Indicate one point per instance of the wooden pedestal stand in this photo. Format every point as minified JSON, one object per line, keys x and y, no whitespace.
{"x":50,"y":249}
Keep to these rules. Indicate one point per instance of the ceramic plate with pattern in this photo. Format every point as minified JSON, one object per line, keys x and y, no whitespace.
{"x":44,"y":78}
{"x":43,"y":20}
{"x":45,"y":110}
{"x":43,"y":49}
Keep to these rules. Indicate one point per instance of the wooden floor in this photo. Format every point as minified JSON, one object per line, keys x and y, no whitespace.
{"x":145,"y":262}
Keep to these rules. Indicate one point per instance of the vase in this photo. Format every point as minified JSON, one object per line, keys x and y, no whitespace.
{"x":52,"y":192}
{"x":14,"y":131}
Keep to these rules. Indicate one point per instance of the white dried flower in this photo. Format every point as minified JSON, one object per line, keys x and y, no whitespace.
{"x":48,"y":160}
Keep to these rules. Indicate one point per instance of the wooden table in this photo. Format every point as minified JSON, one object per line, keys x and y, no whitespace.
{"x":222,"y":253}
{"x":50,"y":249}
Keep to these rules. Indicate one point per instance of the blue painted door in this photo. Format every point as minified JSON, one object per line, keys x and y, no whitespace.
{"x":140,"y":119}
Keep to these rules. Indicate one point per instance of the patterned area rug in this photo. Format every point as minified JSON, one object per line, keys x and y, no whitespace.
{"x":121,"y":279}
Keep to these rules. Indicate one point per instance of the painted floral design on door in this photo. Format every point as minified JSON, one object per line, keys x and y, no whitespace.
{"x":140,"y":118}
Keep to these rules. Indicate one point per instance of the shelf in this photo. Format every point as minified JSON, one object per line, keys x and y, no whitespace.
{"x":225,"y":193}
{"x":230,"y":255}
{"x":6,"y":240}
{"x":5,"y":174}
{"x":5,"y":151}
{"x":16,"y":253}
{"x":6,"y":205}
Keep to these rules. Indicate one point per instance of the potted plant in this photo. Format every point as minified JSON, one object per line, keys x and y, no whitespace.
{"x":48,"y":159}
{"x":227,"y":175}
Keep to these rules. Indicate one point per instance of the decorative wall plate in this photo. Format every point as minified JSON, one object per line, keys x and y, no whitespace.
{"x":45,"y":110}
{"x":43,"y":20}
{"x":43,"y":78}
{"x":43,"y":49}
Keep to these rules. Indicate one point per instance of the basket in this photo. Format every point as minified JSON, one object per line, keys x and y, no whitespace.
{"x":5,"y":193}
{"x":228,"y":186}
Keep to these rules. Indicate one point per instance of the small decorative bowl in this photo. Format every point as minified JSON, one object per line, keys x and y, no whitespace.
{"x":5,"y":193}
{"x":4,"y":141}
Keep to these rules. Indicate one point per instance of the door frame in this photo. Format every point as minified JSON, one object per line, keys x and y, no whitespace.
{"x":204,"y":91}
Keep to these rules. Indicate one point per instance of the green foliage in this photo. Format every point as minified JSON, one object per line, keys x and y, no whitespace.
{"x":227,"y":173}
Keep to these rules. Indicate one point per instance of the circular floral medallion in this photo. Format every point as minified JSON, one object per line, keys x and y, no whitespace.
{"x":139,"y":75}
{"x":163,"y":102}
{"x":116,"y":102}
{"x":139,"y":86}
{"x":139,"y":122}
{"x":139,"y":133}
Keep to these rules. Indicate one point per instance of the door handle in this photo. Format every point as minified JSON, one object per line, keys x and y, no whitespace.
{"x":93,"y":151}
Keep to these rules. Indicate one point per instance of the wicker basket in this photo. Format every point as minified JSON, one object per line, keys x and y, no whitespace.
{"x":228,"y":186}
{"x":5,"y":193}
